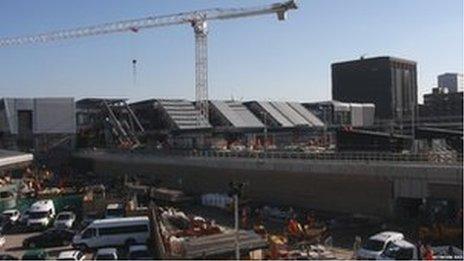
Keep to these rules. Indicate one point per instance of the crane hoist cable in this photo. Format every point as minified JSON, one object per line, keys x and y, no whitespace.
{"x":134,"y":73}
{"x":134,"y":57}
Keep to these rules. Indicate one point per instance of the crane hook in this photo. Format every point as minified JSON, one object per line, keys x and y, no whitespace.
{"x":134,"y":72}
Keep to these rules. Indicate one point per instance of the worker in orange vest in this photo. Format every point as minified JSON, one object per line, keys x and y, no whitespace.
{"x":245,"y":217}
{"x":428,"y":254}
{"x":293,"y":227}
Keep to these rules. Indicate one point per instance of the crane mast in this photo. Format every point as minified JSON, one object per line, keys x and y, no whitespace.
{"x":197,"y":19}
{"x":201,"y":69}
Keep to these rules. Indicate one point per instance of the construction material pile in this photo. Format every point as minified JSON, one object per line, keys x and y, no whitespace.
{"x":280,"y":249}
{"x":169,"y":195}
{"x":196,"y":237}
{"x":177,"y":224}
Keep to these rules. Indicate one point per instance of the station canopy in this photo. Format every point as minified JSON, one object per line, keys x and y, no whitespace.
{"x":237,"y":114}
{"x":12,"y":159}
{"x":184,"y":114}
{"x":290,"y":114}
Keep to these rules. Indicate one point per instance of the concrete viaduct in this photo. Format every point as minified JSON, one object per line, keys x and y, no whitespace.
{"x":351,"y":186}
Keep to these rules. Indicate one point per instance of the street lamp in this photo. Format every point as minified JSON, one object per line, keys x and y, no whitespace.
{"x":235,"y":191}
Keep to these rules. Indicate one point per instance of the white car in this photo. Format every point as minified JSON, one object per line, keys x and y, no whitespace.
{"x":404,"y":250}
{"x":13,"y":215}
{"x":2,"y":240}
{"x":139,"y":252}
{"x":376,"y":244}
{"x":106,"y":254}
{"x":115,"y":210}
{"x":75,"y":255}
{"x":65,"y":219}
{"x":400,"y":250}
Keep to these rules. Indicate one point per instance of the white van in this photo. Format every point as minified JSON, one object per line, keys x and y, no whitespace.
{"x":113,"y":232}
{"x":41,"y":214}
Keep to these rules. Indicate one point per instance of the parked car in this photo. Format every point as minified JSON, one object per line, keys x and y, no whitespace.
{"x":65,"y":219}
{"x":376,"y":244}
{"x":41,"y":214}
{"x":400,"y":250}
{"x":72,"y":255}
{"x":49,"y":238}
{"x":404,"y":250}
{"x":115,"y":210}
{"x":106,"y":254}
{"x":12,"y":214}
{"x":2,"y":240}
{"x":88,"y":218}
{"x":139,"y":252}
{"x":7,"y":257}
{"x":36,"y":254}
{"x":24,"y":217}
{"x":5,"y":224}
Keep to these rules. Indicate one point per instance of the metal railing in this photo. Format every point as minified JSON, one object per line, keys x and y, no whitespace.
{"x":436,"y":158}
{"x":430,"y":158}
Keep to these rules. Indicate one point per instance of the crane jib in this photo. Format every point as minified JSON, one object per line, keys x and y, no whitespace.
{"x":149,"y":22}
{"x":197,"y":19}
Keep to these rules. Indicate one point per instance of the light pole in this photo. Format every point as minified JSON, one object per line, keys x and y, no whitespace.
{"x":236,"y":193}
{"x":237,"y":243}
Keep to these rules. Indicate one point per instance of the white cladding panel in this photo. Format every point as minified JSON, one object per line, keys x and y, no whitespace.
{"x":54,"y":115}
{"x":362,"y":114}
{"x":248,"y":118}
{"x":49,"y":115}
{"x":368,"y":114}
{"x":356,"y":115}
{"x":12,"y":106}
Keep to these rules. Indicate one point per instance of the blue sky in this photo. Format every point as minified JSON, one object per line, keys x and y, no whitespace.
{"x":253,"y":58}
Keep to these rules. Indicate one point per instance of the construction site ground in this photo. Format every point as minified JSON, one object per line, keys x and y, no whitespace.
{"x":342,"y":240}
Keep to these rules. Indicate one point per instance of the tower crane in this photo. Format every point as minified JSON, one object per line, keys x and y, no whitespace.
{"x":197,"y":19}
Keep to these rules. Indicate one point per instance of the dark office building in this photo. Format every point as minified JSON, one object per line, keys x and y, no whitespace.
{"x":390,"y":83}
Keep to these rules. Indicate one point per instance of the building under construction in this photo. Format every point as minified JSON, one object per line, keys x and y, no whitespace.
{"x":37,"y":124}
{"x":231,"y":124}
{"x":172,"y":123}
{"x":107,"y":122}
